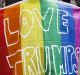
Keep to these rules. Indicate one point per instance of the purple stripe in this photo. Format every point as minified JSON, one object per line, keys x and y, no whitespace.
{"x":76,"y":14}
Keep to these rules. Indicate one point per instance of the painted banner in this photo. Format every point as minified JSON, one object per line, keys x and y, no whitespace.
{"x":40,"y":37}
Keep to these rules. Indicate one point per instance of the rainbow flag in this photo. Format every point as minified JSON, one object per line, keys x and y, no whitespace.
{"x":40,"y":37}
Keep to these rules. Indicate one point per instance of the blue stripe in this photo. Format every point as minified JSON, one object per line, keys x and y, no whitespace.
{"x":68,"y":39}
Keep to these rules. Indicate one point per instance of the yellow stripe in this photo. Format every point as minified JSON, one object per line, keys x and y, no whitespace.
{"x":31,"y":36}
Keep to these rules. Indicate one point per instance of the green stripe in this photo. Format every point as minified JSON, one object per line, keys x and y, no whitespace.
{"x":51,"y":37}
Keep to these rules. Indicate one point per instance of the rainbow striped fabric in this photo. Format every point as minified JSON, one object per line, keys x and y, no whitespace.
{"x":40,"y":37}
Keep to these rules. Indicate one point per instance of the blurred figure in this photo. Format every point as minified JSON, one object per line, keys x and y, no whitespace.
{"x":73,"y":2}
{"x":77,"y":2}
{"x":2,"y":3}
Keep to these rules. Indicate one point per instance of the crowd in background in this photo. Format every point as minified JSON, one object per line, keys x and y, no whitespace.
{"x":76,"y":2}
{"x":8,"y":2}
